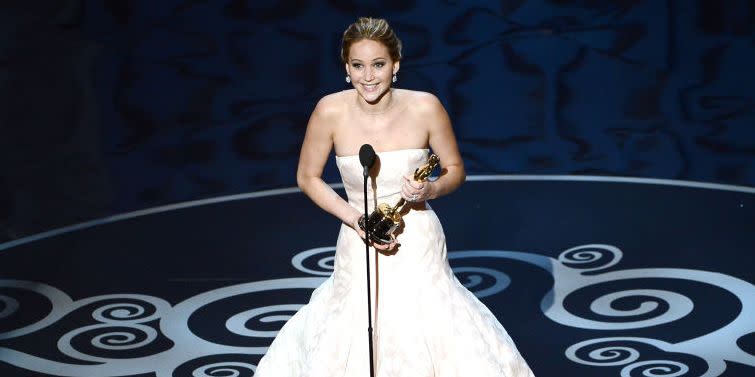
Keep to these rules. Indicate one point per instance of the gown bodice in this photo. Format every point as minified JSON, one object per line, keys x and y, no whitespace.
{"x":386,"y":176}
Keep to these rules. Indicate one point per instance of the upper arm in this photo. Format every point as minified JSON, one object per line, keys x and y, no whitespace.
{"x":317,"y":143}
{"x":441,"y":135}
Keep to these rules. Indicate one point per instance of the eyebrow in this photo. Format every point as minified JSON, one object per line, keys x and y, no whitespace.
{"x":354,"y":60}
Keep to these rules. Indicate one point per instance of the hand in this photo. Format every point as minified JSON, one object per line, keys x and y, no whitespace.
{"x":414,"y":191}
{"x":355,"y":225}
{"x":386,"y":247}
{"x":389,"y":246}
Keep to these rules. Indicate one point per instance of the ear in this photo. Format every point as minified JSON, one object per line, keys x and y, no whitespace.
{"x":396,"y":66}
{"x":346,"y":67}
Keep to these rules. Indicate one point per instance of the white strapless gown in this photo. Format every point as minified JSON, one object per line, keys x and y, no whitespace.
{"x":425,"y":323}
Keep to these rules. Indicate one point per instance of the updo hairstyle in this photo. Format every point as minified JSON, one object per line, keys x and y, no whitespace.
{"x":376,"y":29}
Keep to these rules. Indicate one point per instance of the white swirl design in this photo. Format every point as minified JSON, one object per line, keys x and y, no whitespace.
{"x":237,"y":323}
{"x":224,"y":369}
{"x":682,"y":304}
{"x":610,"y":355}
{"x":587,"y":254}
{"x":474,"y":282}
{"x":570,"y":280}
{"x":122,"y":312}
{"x":118,"y":340}
{"x":112,"y":340}
{"x":10,"y":306}
{"x":126,"y":322}
{"x":325,"y":263}
{"x":656,"y":368}
{"x":56,"y":297}
{"x":615,"y":354}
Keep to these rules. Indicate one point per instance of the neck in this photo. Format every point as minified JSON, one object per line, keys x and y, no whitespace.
{"x":382,"y":105}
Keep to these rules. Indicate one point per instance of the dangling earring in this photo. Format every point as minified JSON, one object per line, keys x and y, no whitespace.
{"x":348,"y":79}
{"x":394,"y":78}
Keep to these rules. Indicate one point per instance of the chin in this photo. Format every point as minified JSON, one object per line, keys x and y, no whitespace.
{"x":373,"y":97}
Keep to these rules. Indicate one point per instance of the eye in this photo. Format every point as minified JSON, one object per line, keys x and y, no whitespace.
{"x":356,"y":65}
{"x":379,"y":64}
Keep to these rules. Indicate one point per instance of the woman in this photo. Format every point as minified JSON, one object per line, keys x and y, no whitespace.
{"x":426,"y":324}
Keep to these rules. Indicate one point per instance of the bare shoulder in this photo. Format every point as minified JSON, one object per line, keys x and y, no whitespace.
{"x":422,"y":103}
{"x":426,"y":108}
{"x":328,"y":113}
{"x":331,"y":105}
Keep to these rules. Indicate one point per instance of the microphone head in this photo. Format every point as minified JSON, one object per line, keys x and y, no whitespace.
{"x":367,"y":156}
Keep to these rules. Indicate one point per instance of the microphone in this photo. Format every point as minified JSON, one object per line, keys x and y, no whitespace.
{"x":366,"y":157}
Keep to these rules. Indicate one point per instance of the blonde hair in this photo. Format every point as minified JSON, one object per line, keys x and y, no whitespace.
{"x":376,"y":29}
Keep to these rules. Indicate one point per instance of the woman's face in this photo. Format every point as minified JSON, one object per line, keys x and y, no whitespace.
{"x":371,"y":69}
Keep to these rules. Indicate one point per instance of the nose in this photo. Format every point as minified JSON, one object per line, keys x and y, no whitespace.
{"x":369,"y":75}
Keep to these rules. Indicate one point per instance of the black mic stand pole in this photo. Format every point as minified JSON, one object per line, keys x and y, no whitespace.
{"x":367,"y":254}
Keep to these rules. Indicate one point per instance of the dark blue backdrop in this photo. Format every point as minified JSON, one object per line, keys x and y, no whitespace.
{"x":112,"y":106}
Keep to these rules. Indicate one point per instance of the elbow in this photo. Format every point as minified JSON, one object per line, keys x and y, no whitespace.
{"x":304,"y":183}
{"x":461,"y":174}
{"x":301,"y":182}
{"x":462,"y":177}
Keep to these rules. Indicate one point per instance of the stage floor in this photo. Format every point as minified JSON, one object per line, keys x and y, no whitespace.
{"x":591,"y":276}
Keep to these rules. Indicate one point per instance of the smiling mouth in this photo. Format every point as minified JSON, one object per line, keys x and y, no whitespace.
{"x":370,"y":87}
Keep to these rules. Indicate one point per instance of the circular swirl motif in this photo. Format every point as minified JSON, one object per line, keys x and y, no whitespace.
{"x":593,"y":257}
{"x":122,"y":312}
{"x":121,"y":340}
{"x":237,"y":323}
{"x":224,"y":369}
{"x":475,"y":277}
{"x":614,"y":353}
{"x":679,"y":305}
{"x":10,"y":306}
{"x":135,"y":336}
{"x":58,"y":299}
{"x":656,"y":368}
{"x":605,"y":356}
{"x":326,"y":263}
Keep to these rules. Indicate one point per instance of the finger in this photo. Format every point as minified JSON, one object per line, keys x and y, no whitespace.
{"x":424,"y":191}
{"x":409,"y":180}
{"x":411,"y":188}
{"x":380,"y":246}
{"x":359,"y":230}
{"x":406,"y":194}
{"x":419,"y":195}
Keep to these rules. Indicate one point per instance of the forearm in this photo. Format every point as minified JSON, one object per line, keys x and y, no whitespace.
{"x":449,"y":180}
{"x":326,"y":198}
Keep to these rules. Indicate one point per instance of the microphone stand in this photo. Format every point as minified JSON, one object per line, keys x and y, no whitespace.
{"x":367,"y":255}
